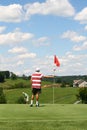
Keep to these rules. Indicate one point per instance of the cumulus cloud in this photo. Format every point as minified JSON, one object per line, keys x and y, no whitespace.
{"x":27,"y":55}
{"x":75,"y":64}
{"x":42,"y":41}
{"x":17,"y":50}
{"x":70,"y":64}
{"x":85,"y":28}
{"x":52,"y":7}
{"x":11,"y":13}
{"x":21,"y":62}
{"x":82,"y":47}
{"x":73,"y":36}
{"x":2,"y":28}
{"x":14,"y":37}
{"x":82,"y":16}
{"x":17,"y":13}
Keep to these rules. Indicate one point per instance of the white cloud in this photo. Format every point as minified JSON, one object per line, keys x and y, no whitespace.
{"x":20,"y":63}
{"x":82,"y":47}
{"x":73,"y":64}
{"x":2,"y":28}
{"x":11,"y":13}
{"x":14,"y":37}
{"x":82,"y":16}
{"x":17,"y":50}
{"x":85,"y":28}
{"x":73,"y":36}
{"x":17,"y":13}
{"x":42,"y":41}
{"x":27,"y":71}
{"x":53,"y":7}
{"x":27,"y":55}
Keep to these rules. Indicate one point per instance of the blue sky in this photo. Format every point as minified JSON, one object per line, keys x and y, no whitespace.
{"x":33,"y":31}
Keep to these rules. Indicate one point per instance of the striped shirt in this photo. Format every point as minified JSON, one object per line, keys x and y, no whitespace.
{"x":36,"y":80}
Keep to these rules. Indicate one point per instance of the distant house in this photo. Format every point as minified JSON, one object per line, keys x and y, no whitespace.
{"x":79,"y":83}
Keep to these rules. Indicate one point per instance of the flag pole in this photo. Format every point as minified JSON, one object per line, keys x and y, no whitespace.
{"x":57,"y":63}
{"x":53,"y":84}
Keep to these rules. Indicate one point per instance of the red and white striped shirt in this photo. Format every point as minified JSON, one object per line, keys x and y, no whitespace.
{"x":36,"y":80}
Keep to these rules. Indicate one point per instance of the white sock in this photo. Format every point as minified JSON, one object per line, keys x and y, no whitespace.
{"x":37,"y":102}
{"x":32,"y":102}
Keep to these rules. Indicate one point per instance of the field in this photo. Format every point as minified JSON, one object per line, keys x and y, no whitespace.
{"x":13,"y":90}
{"x":62,"y":115}
{"x":61,"y":95}
{"x":46,"y":117}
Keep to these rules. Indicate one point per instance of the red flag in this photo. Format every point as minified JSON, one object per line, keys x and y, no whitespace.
{"x":56,"y":61}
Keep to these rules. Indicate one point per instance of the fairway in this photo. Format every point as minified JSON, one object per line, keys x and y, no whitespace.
{"x":46,"y":117}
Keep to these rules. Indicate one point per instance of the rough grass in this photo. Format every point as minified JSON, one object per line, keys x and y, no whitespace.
{"x":61,"y":95}
{"x":46,"y":117}
{"x":9,"y":83}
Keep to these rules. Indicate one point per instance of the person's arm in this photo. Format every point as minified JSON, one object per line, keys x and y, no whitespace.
{"x":31,"y":81}
{"x":48,"y":76}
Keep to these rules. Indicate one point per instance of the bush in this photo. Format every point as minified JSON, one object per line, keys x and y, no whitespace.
{"x":21,"y":100}
{"x":2,"y":78}
{"x":2,"y":96}
{"x":82,"y":95}
{"x":63,"y":85}
{"x":19,"y":85}
{"x":13,"y":76}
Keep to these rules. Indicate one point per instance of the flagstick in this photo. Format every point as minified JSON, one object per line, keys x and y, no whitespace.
{"x":53,"y":83}
{"x":57,"y":63}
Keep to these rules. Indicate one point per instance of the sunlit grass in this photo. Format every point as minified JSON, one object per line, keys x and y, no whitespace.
{"x":48,"y":117}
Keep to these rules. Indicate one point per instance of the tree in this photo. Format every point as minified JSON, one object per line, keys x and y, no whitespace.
{"x":24,"y":77}
{"x":2,"y":78}
{"x":63,"y":85}
{"x":7,"y":74}
{"x":82,"y":95}
{"x":13,"y":76}
{"x":2,"y":96}
{"x":58,"y":80}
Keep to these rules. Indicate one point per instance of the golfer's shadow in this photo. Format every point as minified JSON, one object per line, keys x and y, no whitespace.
{"x":42,"y":105}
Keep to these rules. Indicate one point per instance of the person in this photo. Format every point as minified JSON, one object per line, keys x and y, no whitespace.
{"x":26,"y":97}
{"x":36,"y":79}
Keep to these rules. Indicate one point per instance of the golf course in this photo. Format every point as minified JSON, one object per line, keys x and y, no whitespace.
{"x":43,"y":64}
{"x":45,"y":117}
{"x":57,"y":110}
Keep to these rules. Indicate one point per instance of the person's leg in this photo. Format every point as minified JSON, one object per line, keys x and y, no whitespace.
{"x":32,"y":99}
{"x":37,"y":99}
{"x":27,"y":100}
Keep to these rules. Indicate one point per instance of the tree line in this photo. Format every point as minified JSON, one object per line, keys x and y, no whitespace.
{"x":58,"y":79}
{"x":11,"y":75}
{"x":66,"y":80}
{"x":6,"y":75}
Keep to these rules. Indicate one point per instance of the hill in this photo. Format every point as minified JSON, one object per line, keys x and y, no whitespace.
{"x":60,"y":95}
{"x":50,"y":92}
{"x":68,"y":79}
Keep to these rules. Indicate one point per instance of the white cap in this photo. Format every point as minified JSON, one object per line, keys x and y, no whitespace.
{"x":37,"y":69}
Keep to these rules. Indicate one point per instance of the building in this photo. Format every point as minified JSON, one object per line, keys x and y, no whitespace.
{"x":79,"y":83}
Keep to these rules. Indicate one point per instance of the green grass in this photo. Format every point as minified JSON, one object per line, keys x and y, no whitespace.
{"x":12,"y":95}
{"x":61,"y":95}
{"x":46,"y":117}
{"x":10,"y":83}
{"x":62,"y":115}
